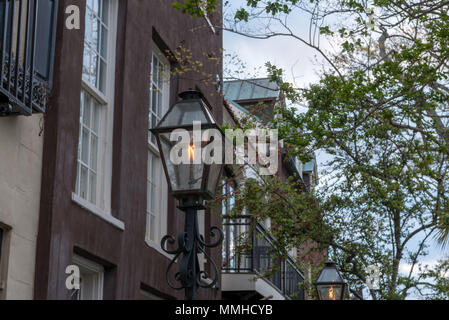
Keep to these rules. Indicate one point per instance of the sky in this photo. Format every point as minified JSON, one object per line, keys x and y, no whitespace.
{"x":301,"y":66}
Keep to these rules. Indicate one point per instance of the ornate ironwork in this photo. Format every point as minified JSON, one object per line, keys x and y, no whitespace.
{"x":248,"y":250}
{"x":27,"y":43}
{"x":41,"y":90}
{"x":190,"y":244}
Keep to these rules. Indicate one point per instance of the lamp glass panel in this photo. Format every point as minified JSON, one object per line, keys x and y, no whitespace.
{"x":214,"y":178}
{"x":329,"y":292}
{"x":184,"y":113}
{"x":183,"y":176}
{"x":329,"y":275}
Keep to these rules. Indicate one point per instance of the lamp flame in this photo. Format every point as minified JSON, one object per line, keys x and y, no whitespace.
{"x":331,"y":293}
{"x":191,"y":152}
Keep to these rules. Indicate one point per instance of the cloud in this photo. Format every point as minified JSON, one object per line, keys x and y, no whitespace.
{"x":299,"y":61}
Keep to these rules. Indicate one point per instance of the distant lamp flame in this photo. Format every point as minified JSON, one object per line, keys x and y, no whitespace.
{"x":331,"y":293}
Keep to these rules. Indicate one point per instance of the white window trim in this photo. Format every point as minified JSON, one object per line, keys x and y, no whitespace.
{"x":102,"y":207}
{"x":107,"y":216}
{"x":160,"y":209}
{"x":165,"y":94}
{"x":92,"y":266}
{"x":159,"y":179}
{"x":157,"y":247}
{"x":94,"y":92}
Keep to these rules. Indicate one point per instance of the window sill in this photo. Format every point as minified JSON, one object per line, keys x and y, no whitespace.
{"x":97,"y":94}
{"x":156,"y":247}
{"x":98,"y":212}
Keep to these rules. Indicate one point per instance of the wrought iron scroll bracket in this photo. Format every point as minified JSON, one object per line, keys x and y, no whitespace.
{"x":190,"y":244}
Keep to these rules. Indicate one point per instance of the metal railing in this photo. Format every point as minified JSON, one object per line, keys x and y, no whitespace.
{"x":27,"y":38}
{"x":247,"y":248}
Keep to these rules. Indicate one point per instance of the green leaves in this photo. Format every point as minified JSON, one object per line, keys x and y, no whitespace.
{"x":270,"y":7}
{"x":195,"y":8}
{"x":381,"y":122}
{"x":380,"y":111}
{"x":326,"y":31}
{"x":242,"y":15}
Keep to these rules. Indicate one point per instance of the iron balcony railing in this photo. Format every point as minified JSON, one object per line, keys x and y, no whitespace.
{"x":27,"y":39}
{"x":247,"y":248}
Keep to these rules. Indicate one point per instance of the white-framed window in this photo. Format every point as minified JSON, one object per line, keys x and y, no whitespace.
{"x":91,"y":280}
{"x":153,"y":189}
{"x":96,"y":39}
{"x":94,"y":162}
{"x":157,"y":188}
{"x":86,"y":186}
{"x":159,"y":87}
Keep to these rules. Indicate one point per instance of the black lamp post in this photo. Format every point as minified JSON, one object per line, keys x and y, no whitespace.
{"x":330,"y":284}
{"x":192,"y":181}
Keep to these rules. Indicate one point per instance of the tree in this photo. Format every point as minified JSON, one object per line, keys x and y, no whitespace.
{"x":381,"y":110}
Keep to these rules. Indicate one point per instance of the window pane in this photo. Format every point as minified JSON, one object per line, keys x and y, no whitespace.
{"x":86,"y":185}
{"x":153,"y":120}
{"x":102,"y":84}
{"x":96,"y":6}
{"x":88,"y":32}
{"x":92,"y":187}
{"x":93,"y":152}
{"x":152,"y":198}
{"x":93,"y":71}
{"x":104,"y":42}
{"x":95,"y":38}
{"x":159,"y":104}
{"x":149,"y":166}
{"x":83,"y":183}
{"x":77,"y":187}
{"x":85,"y":146}
{"x":80,"y":144}
{"x":95,"y":43}
{"x":149,"y":198}
{"x":43,"y":37}
{"x":154,"y":99}
{"x":105,"y":12}
{"x":160,"y":75}
{"x":91,"y":280}
{"x":87,"y":111}
{"x":155,"y":71}
{"x":153,"y":125}
{"x":86,"y":64}
{"x":96,"y":118}
{"x":82,"y":106}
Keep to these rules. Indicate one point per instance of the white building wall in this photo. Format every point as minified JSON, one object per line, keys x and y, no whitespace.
{"x":21,"y":148}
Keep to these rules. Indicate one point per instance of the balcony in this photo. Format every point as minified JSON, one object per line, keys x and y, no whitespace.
{"x":243,"y":269}
{"x":27,"y":38}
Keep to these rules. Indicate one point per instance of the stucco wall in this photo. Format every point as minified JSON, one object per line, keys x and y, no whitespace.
{"x":20,"y":184}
